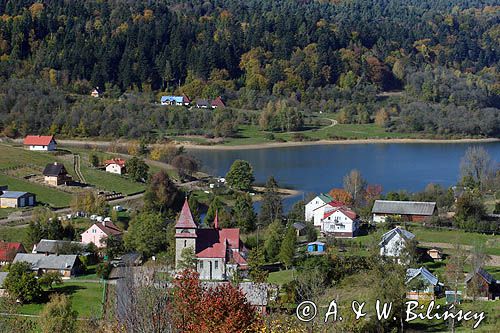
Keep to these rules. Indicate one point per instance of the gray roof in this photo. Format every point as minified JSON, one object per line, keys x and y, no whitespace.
{"x":484,"y":274}
{"x":299,"y":225}
{"x":412,"y":273}
{"x":13,"y":194}
{"x":403,"y":207}
{"x":54,"y":246}
{"x":51,"y":261}
{"x":404,"y":234}
{"x":3,"y":275}
{"x":316,"y":243}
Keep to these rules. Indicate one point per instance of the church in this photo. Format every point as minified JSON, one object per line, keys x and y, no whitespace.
{"x":220,"y":253}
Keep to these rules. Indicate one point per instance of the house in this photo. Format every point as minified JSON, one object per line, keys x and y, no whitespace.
{"x":482,"y":284}
{"x":435,"y":254}
{"x":219,"y":252}
{"x":9,"y":250}
{"x":40,"y":142}
{"x":115,"y":165}
{"x":95,"y":93}
{"x":217,"y":103}
{"x":414,"y":211}
{"x":15,"y":199}
{"x":423,"y":284}
{"x":395,"y":241}
{"x":175,"y":100}
{"x":340,"y":222}
{"x":56,"y":174}
{"x":202,"y":104}
{"x":319,"y":212}
{"x":316,"y":202}
{"x":316,"y":247}
{"x":51,"y":246}
{"x":67,"y":265}
{"x":98,"y":233}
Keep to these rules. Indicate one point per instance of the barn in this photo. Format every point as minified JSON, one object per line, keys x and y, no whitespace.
{"x":413,"y":211}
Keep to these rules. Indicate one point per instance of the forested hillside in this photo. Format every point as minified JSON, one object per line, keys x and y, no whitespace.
{"x":283,"y":57}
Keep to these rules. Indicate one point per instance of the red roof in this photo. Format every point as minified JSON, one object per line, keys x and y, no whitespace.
{"x":185,"y":99}
{"x":185,"y":220}
{"x":238,"y":258}
{"x":38,"y":140}
{"x":109,"y":228}
{"x":336,"y":204}
{"x":213,"y":243}
{"x":119,"y":161}
{"x":218,"y":102}
{"x":8,"y":250}
{"x":344,"y":210}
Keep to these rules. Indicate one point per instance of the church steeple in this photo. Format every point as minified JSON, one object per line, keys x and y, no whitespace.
{"x":185,"y":220}
{"x":185,"y":233}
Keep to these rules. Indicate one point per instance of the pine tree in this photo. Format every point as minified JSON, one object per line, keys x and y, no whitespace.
{"x":287,"y":250}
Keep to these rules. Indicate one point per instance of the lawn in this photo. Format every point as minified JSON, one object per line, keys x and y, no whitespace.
{"x":281,"y":277}
{"x":4,"y":212}
{"x":44,"y":194}
{"x":14,"y":234}
{"x":14,"y":157}
{"x":111,"y":182}
{"x":85,"y":296}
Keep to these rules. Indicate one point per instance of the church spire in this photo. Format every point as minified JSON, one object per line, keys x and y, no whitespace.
{"x":186,"y":218}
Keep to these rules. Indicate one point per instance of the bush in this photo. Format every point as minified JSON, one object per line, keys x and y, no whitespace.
{"x":103,"y":270}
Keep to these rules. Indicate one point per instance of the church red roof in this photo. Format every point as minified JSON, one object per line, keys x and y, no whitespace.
{"x":185,"y":220}
{"x":213,"y":243}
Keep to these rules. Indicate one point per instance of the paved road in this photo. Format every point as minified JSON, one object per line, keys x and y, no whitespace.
{"x":69,"y":210}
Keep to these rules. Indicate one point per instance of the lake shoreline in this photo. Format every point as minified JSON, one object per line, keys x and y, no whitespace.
{"x":268,"y":145}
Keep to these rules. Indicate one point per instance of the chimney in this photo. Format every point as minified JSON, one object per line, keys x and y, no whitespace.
{"x":103,"y":223}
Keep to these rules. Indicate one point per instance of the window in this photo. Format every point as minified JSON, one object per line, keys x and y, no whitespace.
{"x":216,"y":265}
{"x":185,"y":243}
{"x":201,"y":264}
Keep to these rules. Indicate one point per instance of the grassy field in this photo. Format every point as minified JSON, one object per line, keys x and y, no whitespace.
{"x":85,"y":296}
{"x":16,"y":156}
{"x":14,"y":234}
{"x":44,"y":194}
{"x":281,"y":277}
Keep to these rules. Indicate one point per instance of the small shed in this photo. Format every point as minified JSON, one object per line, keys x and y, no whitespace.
{"x":451,"y":298}
{"x":316,"y":247}
{"x":435,"y":253}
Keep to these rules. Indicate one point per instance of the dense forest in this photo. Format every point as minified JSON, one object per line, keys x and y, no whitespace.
{"x":283,"y":57}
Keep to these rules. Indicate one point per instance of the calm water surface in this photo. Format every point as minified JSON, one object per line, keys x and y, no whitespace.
{"x":319,"y":168}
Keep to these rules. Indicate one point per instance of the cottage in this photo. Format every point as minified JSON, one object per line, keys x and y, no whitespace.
{"x":95,"y":92}
{"x":219,"y":252}
{"x":67,"y":265}
{"x":9,"y":250}
{"x":481,"y":284}
{"x":51,"y":246}
{"x":414,"y":211}
{"x":435,"y":254}
{"x":395,"y":242}
{"x":218,"y":103}
{"x":316,"y":202}
{"x":423,"y":284}
{"x":40,"y":142}
{"x":202,"y":104}
{"x":99,"y":232}
{"x":316,"y":247}
{"x":115,"y":165}
{"x":340,"y":222}
{"x":299,"y":228}
{"x":15,"y":199}
{"x":56,"y":174}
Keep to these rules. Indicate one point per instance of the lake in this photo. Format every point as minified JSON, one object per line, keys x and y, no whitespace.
{"x":319,"y":168}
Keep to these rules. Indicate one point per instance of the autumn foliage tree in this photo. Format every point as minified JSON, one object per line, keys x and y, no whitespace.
{"x":223,"y":308}
{"x":341,"y":195}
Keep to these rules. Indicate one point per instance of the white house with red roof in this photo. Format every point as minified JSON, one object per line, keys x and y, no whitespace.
{"x":40,"y":142}
{"x":115,"y":165}
{"x":320,"y":211}
{"x":219,"y":251}
{"x":340,"y":222}
{"x":99,"y":232}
